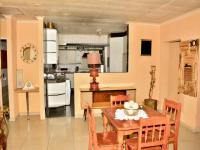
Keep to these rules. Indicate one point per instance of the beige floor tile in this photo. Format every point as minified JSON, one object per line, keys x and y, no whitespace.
{"x":61,"y":143}
{"x":81,"y":143}
{"x":10,"y":147}
{"x":16,"y":142}
{"x":33,"y":147}
{"x":36,"y":141}
{"x":68,"y":133}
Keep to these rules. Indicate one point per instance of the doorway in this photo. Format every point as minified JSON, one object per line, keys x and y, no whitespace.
{"x":4,"y":77}
{"x":174,"y":51}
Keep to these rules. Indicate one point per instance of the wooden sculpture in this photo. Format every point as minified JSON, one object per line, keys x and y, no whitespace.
{"x":151,"y":102}
{"x":153,"y":80}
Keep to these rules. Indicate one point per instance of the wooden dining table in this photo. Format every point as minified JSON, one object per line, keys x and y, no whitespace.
{"x":124,"y":127}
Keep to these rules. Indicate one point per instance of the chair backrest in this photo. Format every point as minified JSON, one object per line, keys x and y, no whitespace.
{"x":119,"y":100}
{"x":173,"y":110}
{"x":91,"y":129}
{"x":153,"y":131}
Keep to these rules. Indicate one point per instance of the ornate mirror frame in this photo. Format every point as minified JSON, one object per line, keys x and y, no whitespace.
{"x":28,"y":53}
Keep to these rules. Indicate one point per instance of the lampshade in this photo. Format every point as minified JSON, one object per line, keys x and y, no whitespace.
{"x":93,"y":58}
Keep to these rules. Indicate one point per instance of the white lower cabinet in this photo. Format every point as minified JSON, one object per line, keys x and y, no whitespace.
{"x":56,"y":100}
{"x":56,"y":88}
{"x":58,"y":94}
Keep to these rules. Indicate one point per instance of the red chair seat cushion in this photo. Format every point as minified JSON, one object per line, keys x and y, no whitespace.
{"x":132,"y":144}
{"x":107,"y":138}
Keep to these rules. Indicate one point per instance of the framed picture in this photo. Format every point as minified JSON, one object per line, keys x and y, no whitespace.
{"x":146,"y":47}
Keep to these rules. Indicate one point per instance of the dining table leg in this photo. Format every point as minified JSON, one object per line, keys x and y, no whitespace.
{"x":120,"y":139}
{"x":105,"y":123}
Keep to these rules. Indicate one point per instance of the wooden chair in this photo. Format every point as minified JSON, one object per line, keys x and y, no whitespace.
{"x":153,"y":134}
{"x":119,"y":100}
{"x":3,"y":131}
{"x":100,"y":141}
{"x":173,"y":110}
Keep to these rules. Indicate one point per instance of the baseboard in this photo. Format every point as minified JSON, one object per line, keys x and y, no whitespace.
{"x":189,"y":127}
{"x":11,"y":119}
{"x":31,"y":113}
{"x":96,"y":112}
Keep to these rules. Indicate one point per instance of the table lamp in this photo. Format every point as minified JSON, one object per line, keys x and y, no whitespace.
{"x":93,"y":59}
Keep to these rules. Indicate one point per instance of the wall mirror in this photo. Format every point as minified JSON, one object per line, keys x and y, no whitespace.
{"x":28,"y":53}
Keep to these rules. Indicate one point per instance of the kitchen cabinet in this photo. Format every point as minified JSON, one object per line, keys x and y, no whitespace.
{"x":104,"y":96}
{"x":50,"y":46}
{"x":50,"y":34}
{"x":70,"y":57}
{"x":50,"y":58}
{"x":57,"y":94}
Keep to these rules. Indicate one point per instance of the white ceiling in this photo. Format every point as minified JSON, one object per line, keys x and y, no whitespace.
{"x":92,"y":16}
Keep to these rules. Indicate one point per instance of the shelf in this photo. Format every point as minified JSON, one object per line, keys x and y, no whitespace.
{"x":101,"y":105}
{"x":56,"y":94}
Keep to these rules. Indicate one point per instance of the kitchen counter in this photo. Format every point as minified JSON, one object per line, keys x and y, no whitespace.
{"x":111,"y":86}
{"x":66,"y":72}
{"x":54,"y":72}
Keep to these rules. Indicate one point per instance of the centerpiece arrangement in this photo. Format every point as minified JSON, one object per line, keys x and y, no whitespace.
{"x":131,"y":108}
{"x":131,"y":111}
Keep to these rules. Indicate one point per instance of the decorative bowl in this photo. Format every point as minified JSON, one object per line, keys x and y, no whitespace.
{"x":131,"y":112}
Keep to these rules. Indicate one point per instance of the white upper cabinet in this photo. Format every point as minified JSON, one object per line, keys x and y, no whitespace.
{"x":50,"y":46}
{"x":50,"y":58}
{"x":50,"y":34}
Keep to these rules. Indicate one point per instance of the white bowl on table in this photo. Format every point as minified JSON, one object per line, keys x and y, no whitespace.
{"x":131,"y":108}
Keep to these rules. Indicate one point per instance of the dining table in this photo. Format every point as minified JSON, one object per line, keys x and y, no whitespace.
{"x":124,"y":127}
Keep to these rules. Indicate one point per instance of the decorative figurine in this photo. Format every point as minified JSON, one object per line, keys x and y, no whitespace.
{"x":152,"y":102}
{"x":153,"y":80}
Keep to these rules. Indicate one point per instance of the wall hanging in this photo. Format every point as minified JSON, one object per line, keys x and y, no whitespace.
{"x":28,"y":53}
{"x":188,"y":67}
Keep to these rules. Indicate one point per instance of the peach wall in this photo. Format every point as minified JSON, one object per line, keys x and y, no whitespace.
{"x":41,"y":67}
{"x":1,"y":101}
{"x":139,"y":66}
{"x":189,"y":111}
{"x":11,"y":53}
{"x":19,"y":33}
{"x":27,"y":32}
{"x":169,"y":71}
{"x":182,"y":28}
{"x":3,"y":30}
{"x":173,"y":60}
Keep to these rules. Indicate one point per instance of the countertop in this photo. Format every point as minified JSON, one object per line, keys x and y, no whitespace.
{"x":108,"y":87}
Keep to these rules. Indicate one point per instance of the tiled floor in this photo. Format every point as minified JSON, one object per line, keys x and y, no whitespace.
{"x":68,"y":133}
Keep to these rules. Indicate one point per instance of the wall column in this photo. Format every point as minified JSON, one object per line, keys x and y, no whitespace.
{"x":1,"y":101}
{"x":11,"y":48}
{"x":41,"y":66}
